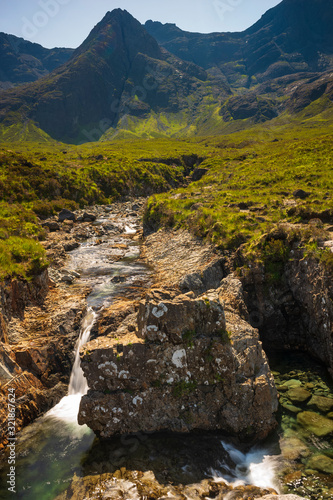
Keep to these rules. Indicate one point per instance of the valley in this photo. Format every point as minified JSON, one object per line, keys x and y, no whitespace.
{"x":166,"y":230}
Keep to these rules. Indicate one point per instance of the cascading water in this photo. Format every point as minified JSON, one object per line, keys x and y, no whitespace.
{"x":50,"y":450}
{"x":67,"y":409}
{"x":78,"y":383}
{"x":258,"y":467}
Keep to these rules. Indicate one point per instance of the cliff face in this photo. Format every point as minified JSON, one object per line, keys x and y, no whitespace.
{"x":193,"y":363}
{"x":297,"y":312}
{"x":38,"y":330}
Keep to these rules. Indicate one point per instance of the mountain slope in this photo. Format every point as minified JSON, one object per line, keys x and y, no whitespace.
{"x":121,"y":83}
{"x":295,"y":36}
{"x":119,"y":70}
{"x":23,"y":61}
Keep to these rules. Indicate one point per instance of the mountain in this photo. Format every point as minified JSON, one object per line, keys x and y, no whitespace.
{"x":122,"y":83}
{"x":295,"y":36}
{"x":23,"y":61}
{"x":118,"y":71}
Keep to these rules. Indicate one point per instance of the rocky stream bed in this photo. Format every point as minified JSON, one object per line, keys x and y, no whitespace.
{"x":181,"y":397}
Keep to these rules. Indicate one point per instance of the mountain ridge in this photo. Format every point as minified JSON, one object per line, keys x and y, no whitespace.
{"x":121,"y":82}
{"x":23,"y":61}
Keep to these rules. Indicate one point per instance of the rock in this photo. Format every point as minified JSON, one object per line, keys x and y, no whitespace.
{"x":291,"y":408}
{"x":67,"y":278}
{"x":163,"y":317}
{"x":187,"y":368}
{"x":299,"y":193}
{"x":88,"y":217}
{"x":66,"y":215}
{"x":52,"y":225}
{"x":42,"y":326}
{"x":321,"y":403}
{"x":292,"y":383}
{"x":293,"y":448}
{"x":318,"y":425}
{"x":316,"y":222}
{"x":298,"y":395}
{"x":118,"y":279}
{"x":68,"y":224}
{"x":70,"y":245}
{"x":321,"y":463}
{"x":138,"y":485}
{"x":210,"y":277}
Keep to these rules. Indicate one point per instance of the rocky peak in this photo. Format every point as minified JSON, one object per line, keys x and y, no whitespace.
{"x":116,"y":31}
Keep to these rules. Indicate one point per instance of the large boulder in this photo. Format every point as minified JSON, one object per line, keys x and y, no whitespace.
{"x":66,"y":215}
{"x":194,"y":363}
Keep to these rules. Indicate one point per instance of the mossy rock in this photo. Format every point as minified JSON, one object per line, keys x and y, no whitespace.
{"x":321,"y":403}
{"x":298,"y":394}
{"x":318,"y":425}
{"x":321,"y":463}
{"x":293,"y":448}
{"x":290,"y":407}
{"x":292,"y":383}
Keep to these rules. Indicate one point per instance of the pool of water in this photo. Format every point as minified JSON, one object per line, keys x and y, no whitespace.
{"x":305,"y":425}
{"x":51,"y":451}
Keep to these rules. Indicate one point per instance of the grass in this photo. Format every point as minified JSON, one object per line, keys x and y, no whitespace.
{"x":41,"y":178}
{"x":246,"y":192}
{"x":249,"y":188}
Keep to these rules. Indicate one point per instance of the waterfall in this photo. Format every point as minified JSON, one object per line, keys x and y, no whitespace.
{"x":68,"y":408}
{"x":258,"y":467}
{"x":77,"y":382}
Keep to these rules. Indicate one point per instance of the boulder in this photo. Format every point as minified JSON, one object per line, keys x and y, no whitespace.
{"x":298,"y":394}
{"x":318,"y":425}
{"x":301,"y":194}
{"x":66,"y":215}
{"x":88,"y":217}
{"x":70,"y":245}
{"x":52,"y":225}
{"x":321,"y":403}
{"x":191,"y":364}
{"x":321,"y":463}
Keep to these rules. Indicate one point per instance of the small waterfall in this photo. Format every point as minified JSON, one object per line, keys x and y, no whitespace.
{"x":77,"y":382}
{"x":68,"y":408}
{"x":258,"y":467}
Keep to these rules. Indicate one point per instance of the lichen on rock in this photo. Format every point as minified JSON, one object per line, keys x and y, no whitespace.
{"x":194,"y":363}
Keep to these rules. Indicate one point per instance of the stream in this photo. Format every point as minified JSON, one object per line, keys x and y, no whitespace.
{"x":54,"y":449}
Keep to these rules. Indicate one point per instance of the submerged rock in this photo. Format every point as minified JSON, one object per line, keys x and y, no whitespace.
{"x":298,"y":394}
{"x":195,"y":363}
{"x":322,"y":403}
{"x":321,"y":463}
{"x":320,"y":426}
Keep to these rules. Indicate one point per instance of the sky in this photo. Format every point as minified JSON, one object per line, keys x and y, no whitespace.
{"x":66,"y":23}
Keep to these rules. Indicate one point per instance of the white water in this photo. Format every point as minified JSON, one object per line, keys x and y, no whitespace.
{"x":258,"y":467}
{"x":67,"y":409}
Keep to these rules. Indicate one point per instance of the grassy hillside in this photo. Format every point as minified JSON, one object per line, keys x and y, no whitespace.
{"x":247,"y":191}
{"x":39,"y":179}
{"x":250,"y":189}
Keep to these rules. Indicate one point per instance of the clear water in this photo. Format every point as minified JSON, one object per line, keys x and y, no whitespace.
{"x":54,"y":448}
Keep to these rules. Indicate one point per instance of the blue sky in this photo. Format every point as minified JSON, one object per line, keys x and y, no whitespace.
{"x":66,"y":23}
